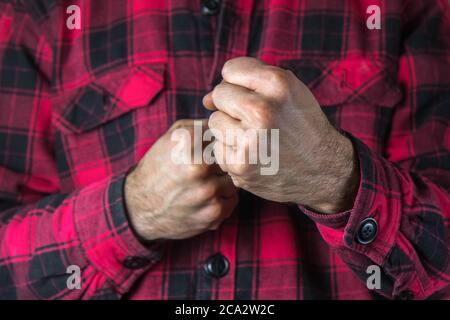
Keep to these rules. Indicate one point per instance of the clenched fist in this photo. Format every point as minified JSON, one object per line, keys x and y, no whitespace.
{"x":317,"y":166}
{"x":166,"y":200}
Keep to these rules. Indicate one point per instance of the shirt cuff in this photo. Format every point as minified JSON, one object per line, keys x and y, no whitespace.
{"x":378,"y":179}
{"x":106,"y":237}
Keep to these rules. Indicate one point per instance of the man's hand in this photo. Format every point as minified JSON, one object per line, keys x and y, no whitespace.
{"x":176,"y":201}
{"x":317,"y":163}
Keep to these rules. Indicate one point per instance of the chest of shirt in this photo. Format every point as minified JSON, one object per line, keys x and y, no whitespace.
{"x":133,"y":69}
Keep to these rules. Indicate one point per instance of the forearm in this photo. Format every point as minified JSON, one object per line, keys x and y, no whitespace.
{"x":87,"y":228}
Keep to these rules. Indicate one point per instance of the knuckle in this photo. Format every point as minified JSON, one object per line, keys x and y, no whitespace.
{"x":186,"y":125}
{"x":290,"y":74}
{"x":240,"y":170}
{"x":196,"y":171}
{"x":210,"y":216}
{"x":279,"y":79}
{"x":260,"y":110}
{"x":256,"y":104}
{"x":226,"y":68}
{"x":181,"y":123}
{"x":178,"y":123}
{"x":208,"y":190}
{"x":238,"y":183}
{"x":263,"y":117}
{"x":277,"y":76}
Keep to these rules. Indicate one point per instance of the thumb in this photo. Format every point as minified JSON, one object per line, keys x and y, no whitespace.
{"x":208,"y":102}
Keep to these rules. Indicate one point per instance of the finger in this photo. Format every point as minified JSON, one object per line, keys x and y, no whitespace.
{"x":226,"y":212}
{"x":209,"y":191}
{"x":203,"y":172}
{"x":245,"y":72}
{"x":189,"y":123}
{"x":221,"y":125}
{"x":234,"y":100}
{"x":234,"y":161}
{"x":227,"y":190}
{"x":222,"y":153}
{"x":216,"y":225}
{"x":188,"y":142}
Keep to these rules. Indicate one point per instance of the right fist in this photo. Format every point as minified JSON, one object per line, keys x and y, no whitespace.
{"x":165,"y":200}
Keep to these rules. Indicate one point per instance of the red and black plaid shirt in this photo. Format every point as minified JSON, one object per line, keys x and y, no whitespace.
{"x":78,"y":108}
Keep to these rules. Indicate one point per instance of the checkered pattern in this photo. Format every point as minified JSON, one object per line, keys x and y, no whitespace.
{"x":78,"y":108}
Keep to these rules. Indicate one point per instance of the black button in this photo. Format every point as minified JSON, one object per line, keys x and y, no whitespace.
{"x":135,"y":262}
{"x":210,"y":7}
{"x":405,"y":295}
{"x":217,"y":266}
{"x":106,"y":100}
{"x":367,"y":231}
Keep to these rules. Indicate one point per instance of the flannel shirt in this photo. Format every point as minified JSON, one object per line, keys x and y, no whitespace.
{"x":80,"y":107}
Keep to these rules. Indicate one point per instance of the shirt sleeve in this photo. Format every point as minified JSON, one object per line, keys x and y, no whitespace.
{"x":46,"y":237}
{"x":406,"y":192}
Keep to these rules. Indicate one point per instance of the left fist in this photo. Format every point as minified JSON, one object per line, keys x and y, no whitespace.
{"x":317,"y":166}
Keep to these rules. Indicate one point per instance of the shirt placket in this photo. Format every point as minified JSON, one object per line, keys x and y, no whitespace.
{"x":217,"y":269}
{"x":219,"y":45}
{"x":219,"y":266}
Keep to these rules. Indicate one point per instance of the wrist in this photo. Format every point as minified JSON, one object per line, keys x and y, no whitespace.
{"x":339,"y":193}
{"x":136,"y":208}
